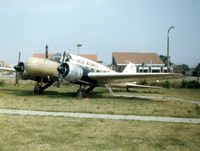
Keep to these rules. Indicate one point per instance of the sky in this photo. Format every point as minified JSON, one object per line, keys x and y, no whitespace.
{"x":101,"y":26}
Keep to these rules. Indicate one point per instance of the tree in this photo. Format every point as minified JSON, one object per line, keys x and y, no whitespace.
{"x":196,"y":72}
{"x":184,"y":68}
{"x":164,"y":59}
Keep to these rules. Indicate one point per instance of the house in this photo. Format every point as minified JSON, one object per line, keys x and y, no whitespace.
{"x":92,"y":57}
{"x":42,"y":55}
{"x":145,"y":62}
{"x":4,"y":64}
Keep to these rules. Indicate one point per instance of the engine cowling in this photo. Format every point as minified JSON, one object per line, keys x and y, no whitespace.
{"x":19,"y":67}
{"x":70,"y":72}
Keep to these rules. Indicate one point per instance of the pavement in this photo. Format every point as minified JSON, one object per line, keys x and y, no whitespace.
{"x":100,"y":116}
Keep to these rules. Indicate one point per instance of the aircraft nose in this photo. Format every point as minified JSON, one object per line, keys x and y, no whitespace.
{"x":19,"y":67}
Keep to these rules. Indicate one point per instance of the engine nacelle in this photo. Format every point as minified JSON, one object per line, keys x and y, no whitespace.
{"x":72,"y":72}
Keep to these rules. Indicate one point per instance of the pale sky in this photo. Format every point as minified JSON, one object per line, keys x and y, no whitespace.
{"x":101,"y":26}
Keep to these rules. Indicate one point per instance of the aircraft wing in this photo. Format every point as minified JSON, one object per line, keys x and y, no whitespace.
{"x":100,"y":76}
{"x":7,"y":69}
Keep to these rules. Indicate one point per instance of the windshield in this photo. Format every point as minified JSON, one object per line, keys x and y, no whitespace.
{"x":56,"y":57}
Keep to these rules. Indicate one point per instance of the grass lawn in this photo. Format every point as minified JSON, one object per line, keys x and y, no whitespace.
{"x":100,"y":101}
{"x":49,"y":133}
{"x":58,"y":133}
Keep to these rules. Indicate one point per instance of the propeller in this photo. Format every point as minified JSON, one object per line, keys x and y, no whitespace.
{"x":46,"y":52}
{"x":19,"y":57}
{"x":61,"y":70}
{"x":19,"y":68}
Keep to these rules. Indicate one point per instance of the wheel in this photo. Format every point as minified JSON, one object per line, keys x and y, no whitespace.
{"x":38,"y":89}
{"x":81,"y":93}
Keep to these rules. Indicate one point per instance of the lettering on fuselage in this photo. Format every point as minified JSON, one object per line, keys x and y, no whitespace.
{"x":91,"y":64}
{"x":87,"y":63}
{"x":80,"y":61}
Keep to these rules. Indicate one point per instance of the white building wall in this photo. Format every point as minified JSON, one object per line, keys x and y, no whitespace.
{"x":147,"y":68}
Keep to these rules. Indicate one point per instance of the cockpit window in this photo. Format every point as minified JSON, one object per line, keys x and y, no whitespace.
{"x":67,"y":57}
{"x":56,"y":57}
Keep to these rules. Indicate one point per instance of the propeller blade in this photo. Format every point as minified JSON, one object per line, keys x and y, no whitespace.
{"x":19,"y":68}
{"x":60,"y":80}
{"x":64,"y":54}
{"x":19,"y":57}
{"x":46,"y":52}
{"x":17,"y":77}
{"x":60,"y":76}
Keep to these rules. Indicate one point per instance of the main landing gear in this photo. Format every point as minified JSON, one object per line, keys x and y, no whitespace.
{"x":83,"y":91}
{"x":38,"y":89}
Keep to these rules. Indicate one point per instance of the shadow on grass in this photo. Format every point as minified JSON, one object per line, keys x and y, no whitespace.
{"x":96,"y":94}
{"x":29,"y":92}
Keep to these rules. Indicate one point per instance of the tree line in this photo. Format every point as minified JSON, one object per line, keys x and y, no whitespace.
{"x":182,"y":68}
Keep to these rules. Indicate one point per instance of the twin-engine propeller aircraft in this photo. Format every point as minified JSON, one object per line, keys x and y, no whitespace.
{"x":73,"y":69}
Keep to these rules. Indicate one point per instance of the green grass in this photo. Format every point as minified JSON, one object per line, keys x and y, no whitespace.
{"x":99,"y":101}
{"x":49,"y":133}
{"x":27,"y":133}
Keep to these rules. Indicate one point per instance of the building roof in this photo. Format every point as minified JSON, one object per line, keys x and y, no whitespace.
{"x":42,"y":55}
{"x":136,"y":57}
{"x":89,"y":56}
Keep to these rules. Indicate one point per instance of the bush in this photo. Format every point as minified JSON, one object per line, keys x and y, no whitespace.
{"x":190,"y":84}
{"x":167,"y":84}
{"x":183,"y":84}
{"x":193,"y":84}
{"x":144,"y":82}
{"x":2,"y":83}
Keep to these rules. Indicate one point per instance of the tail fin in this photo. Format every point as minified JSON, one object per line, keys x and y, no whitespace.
{"x":130,"y":68}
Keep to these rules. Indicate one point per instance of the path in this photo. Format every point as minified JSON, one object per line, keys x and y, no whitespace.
{"x":100,"y":116}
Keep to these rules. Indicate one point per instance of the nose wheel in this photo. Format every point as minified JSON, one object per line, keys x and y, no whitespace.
{"x":83,"y":91}
{"x":38,"y":89}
